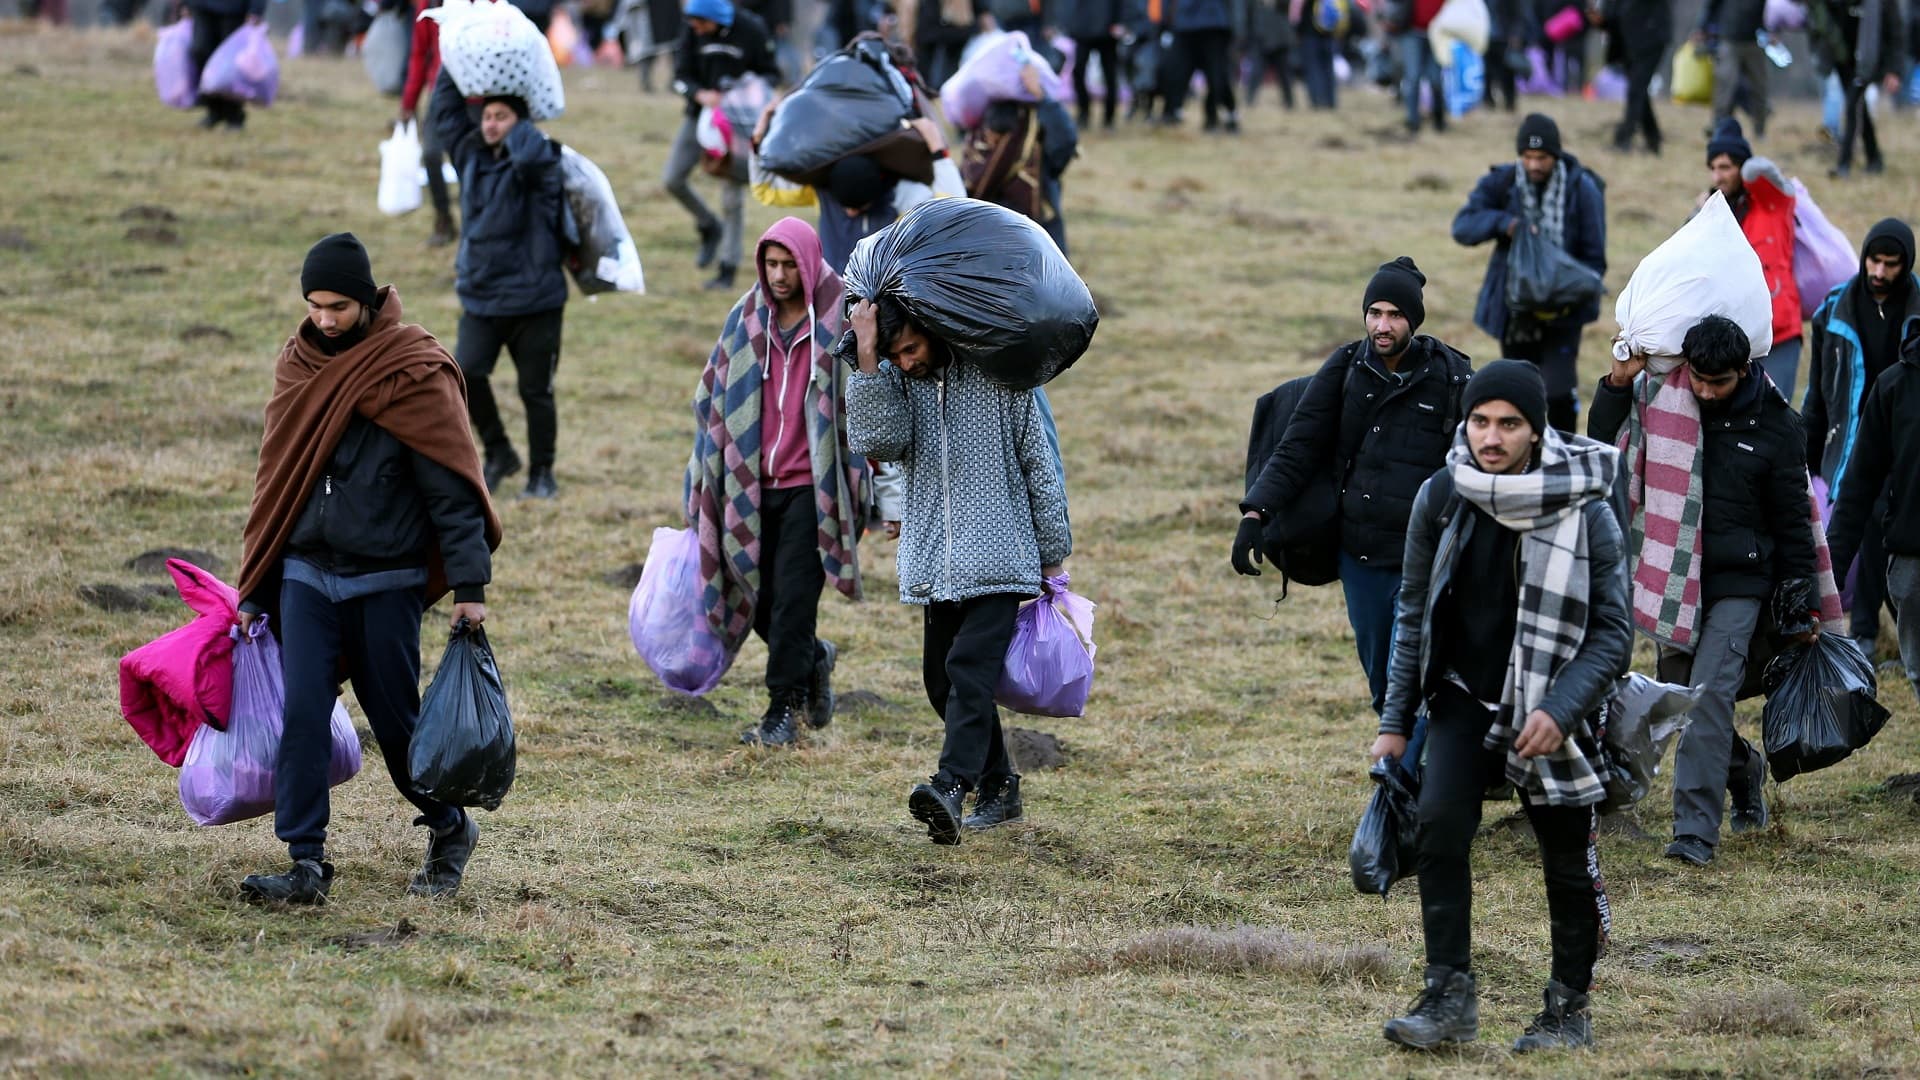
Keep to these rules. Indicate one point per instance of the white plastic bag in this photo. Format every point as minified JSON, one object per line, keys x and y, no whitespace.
{"x":1707,"y":268}
{"x":400,"y":170}
{"x":494,"y":49}
{"x":606,"y":260}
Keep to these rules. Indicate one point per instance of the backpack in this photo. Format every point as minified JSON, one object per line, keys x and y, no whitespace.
{"x":1011,"y":173}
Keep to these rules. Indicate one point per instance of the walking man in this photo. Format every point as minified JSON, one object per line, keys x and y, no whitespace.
{"x":1864,"y":43}
{"x":1644,"y":31}
{"x":1763,"y":202}
{"x":1741,"y":62}
{"x":717,"y":45}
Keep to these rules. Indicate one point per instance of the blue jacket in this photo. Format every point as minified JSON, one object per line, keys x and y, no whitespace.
{"x":1495,"y":204}
{"x":514,"y":225}
{"x":1839,"y":374}
{"x":1201,"y":15}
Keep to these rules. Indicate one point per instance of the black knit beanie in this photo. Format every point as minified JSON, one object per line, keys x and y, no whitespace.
{"x":338,"y":263}
{"x":1399,"y":283}
{"x":1516,"y":382}
{"x":1728,"y":139}
{"x":1538,"y":132}
{"x":512,"y":101}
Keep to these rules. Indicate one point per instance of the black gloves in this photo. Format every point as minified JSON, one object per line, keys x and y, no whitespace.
{"x":1246,"y":546}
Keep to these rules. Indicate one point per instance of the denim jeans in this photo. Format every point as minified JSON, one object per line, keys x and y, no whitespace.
{"x":1417,"y":62}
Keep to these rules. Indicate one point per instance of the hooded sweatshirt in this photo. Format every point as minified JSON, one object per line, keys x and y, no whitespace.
{"x":785,"y":457}
{"x":1854,"y":339}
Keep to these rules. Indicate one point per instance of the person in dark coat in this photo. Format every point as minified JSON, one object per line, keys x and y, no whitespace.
{"x":717,"y":45}
{"x":940,"y":37}
{"x":1319,"y":43}
{"x":1506,"y":43}
{"x":514,"y":235}
{"x":1269,"y":45}
{"x":1644,"y":31}
{"x":1096,"y":27}
{"x":1864,"y":43}
{"x":1740,"y":62}
{"x":1551,"y":193}
{"x":1380,"y":416}
{"x":214,"y":21}
{"x":1202,"y":42}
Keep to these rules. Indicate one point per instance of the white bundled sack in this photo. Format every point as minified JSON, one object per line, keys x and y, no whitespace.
{"x":1459,"y":20}
{"x":400,"y":170}
{"x":606,"y":260}
{"x":1707,"y":268}
{"x":493,"y":49}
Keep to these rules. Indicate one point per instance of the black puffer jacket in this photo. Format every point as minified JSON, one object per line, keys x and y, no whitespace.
{"x":1382,"y":433}
{"x":714,"y":61}
{"x":1756,"y":527}
{"x":1884,"y":456}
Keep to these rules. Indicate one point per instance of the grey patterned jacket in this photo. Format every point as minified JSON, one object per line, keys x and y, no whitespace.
{"x":985,"y":507}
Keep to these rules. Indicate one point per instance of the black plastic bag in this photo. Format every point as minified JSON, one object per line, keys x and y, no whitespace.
{"x":852,"y":103}
{"x":986,"y":281}
{"x":1543,"y":278}
{"x":462,"y":750}
{"x":1641,"y":719}
{"x":1384,"y":846}
{"x":1821,"y":705}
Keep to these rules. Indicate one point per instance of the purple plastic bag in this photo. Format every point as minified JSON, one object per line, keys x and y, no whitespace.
{"x":227,"y":776}
{"x":667,"y":616}
{"x":173,"y":73}
{"x":994,"y":75}
{"x":1609,"y":85}
{"x":1822,"y":255}
{"x":243,"y":67}
{"x":1542,"y":77}
{"x":1049,"y":667}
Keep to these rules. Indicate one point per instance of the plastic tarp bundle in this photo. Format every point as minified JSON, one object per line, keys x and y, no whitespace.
{"x":1464,"y":21}
{"x":463,"y":748}
{"x":1542,"y":277}
{"x":1384,"y":847}
{"x":1643,"y":718}
{"x":853,"y":102}
{"x":988,"y":282}
{"x":1049,"y":665}
{"x":243,"y":67}
{"x":400,"y":170}
{"x":1706,"y":268}
{"x":1823,"y":257}
{"x":383,"y":52}
{"x":173,"y":74}
{"x":494,"y":49}
{"x":228,"y":775}
{"x":993,"y":74}
{"x":1822,"y":705}
{"x":606,"y":260}
{"x":667,"y":617}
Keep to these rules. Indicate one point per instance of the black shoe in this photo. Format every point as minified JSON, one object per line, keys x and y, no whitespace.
{"x":780,"y":724}
{"x":444,"y":232}
{"x":936,"y":803}
{"x":499,"y":467}
{"x":1840,"y":172}
{"x":1690,"y":849}
{"x":709,"y":244}
{"x":997,"y":803}
{"x":306,"y":883}
{"x":1750,"y":802}
{"x":820,"y":698}
{"x":209,"y":121}
{"x":1564,"y":1024}
{"x":540,"y":485}
{"x":722,"y":279}
{"x":1875,"y":166}
{"x":447,"y":854}
{"x":1447,"y":1011}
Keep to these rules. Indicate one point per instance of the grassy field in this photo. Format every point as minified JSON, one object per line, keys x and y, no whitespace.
{"x":654,"y":900}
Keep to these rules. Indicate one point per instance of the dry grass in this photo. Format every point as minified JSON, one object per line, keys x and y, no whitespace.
{"x":1244,"y":950}
{"x":1774,"y":1010}
{"x":652,"y":900}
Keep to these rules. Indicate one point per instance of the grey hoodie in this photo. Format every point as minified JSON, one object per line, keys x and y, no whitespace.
{"x":985,"y":506}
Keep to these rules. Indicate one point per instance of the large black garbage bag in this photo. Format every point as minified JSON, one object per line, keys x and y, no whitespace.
{"x":852,"y":103}
{"x":1642,"y":717}
{"x":1821,"y":705}
{"x":1544,"y":278}
{"x":986,"y":281}
{"x":1384,"y":848}
{"x":462,"y":751}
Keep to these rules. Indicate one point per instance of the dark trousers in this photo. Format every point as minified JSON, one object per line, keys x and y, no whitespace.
{"x":1204,"y":51}
{"x":1642,"y":65}
{"x":1108,"y":50}
{"x":1555,"y":350}
{"x":209,"y":30}
{"x":964,"y":652}
{"x":432,"y":158}
{"x":1458,"y":772}
{"x":1857,"y":121}
{"x":1278,"y":61}
{"x":1502,"y":80}
{"x":534,"y":343}
{"x":940,"y":59}
{"x":377,"y":640}
{"x":1870,"y":584}
{"x":1316,"y":69}
{"x":791,"y":577}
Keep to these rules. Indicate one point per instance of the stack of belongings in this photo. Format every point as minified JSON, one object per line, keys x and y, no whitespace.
{"x":856,"y":101}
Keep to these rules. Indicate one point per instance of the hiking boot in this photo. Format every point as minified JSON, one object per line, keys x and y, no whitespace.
{"x":447,"y":854}
{"x":540,"y":484}
{"x":1233,"y":123}
{"x":1875,"y":166}
{"x":722,"y":279}
{"x":1750,"y":802}
{"x":820,"y":689}
{"x":780,"y":724}
{"x":306,"y":882}
{"x":997,"y":803}
{"x":444,"y":232}
{"x":499,"y":467}
{"x":1564,"y":1024}
{"x":1447,"y":1011}
{"x":1690,"y":849}
{"x":709,"y":244}
{"x":936,"y":804}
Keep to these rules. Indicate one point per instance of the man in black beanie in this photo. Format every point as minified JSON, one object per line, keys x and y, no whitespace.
{"x":1550,"y":194}
{"x":1373,"y":425}
{"x":1762,"y":202}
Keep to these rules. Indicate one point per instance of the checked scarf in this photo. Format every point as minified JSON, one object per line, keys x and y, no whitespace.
{"x":1544,"y":506}
{"x":1548,"y":208}
{"x":723,"y":475}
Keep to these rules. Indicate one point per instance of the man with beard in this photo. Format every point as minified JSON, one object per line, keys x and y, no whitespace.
{"x":1763,"y":203}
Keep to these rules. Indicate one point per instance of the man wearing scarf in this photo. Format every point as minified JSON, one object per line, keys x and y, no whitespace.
{"x":1513,"y":624}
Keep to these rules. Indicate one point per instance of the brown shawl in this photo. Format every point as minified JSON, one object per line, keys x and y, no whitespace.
{"x":400,"y":378}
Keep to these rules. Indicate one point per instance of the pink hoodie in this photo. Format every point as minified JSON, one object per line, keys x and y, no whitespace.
{"x":786,"y":456}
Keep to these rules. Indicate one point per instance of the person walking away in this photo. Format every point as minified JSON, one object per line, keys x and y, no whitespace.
{"x":1506,"y":44}
{"x":214,"y":21}
{"x":718,"y":44}
{"x":941,"y":35}
{"x":368,"y":506}
{"x":423,"y":68}
{"x":1739,"y":62}
{"x":1096,"y":27}
{"x":1202,"y":42}
{"x":1644,"y":31}
{"x":1016,"y":158}
{"x":1321,"y":27}
{"x":1418,"y":63}
{"x":1270,"y":49}
{"x":1864,"y":44}
{"x":775,"y":495}
{"x":1512,"y":625}
{"x":1763,"y":202}
{"x":1549,"y":193}
{"x":515,"y":232}
{"x":968,"y":555}
{"x":1733,"y":453}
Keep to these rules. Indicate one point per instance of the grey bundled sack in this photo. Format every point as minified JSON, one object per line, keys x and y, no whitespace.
{"x":605,"y":260}
{"x":1639,"y":722}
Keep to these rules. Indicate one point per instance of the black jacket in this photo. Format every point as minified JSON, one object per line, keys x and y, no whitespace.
{"x":380,"y":506}
{"x":1756,"y":527}
{"x":1496,"y":203}
{"x":1383,"y":434}
{"x":714,"y":62}
{"x":1735,"y":21}
{"x":1883,"y":456}
{"x":514,"y":225}
{"x":1436,"y":531}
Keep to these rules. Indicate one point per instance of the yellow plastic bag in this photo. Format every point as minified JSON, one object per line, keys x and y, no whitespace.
{"x":1692,"y":77}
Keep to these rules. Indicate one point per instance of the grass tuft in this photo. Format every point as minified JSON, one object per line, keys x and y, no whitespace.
{"x":1775,"y":1010}
{"x":1242,"y":950}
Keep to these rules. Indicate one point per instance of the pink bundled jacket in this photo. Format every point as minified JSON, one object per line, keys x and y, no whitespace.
{"x":173,"y":684}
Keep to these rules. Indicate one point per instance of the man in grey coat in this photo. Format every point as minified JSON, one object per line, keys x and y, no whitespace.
{"x":985,"y":520}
